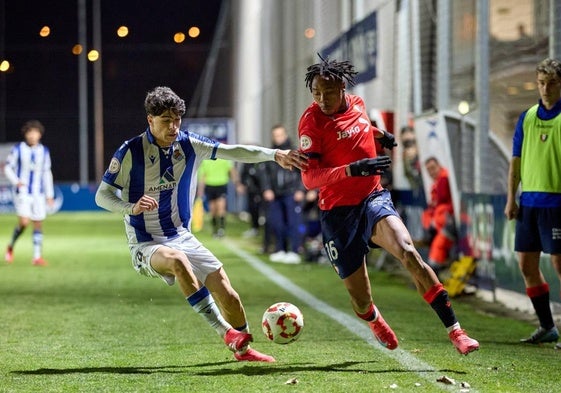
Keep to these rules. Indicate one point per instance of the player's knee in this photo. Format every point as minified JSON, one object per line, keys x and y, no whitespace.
{"x":178,"y":263}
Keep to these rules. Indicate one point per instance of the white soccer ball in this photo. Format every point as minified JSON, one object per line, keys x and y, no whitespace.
{"x":282,"y":323}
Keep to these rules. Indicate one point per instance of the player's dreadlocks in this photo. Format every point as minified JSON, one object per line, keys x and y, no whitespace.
{"x":331,"y":69}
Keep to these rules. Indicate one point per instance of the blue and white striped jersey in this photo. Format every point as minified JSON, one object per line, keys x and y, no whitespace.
{"x":30,"y":166}
{"x":169,"y":175}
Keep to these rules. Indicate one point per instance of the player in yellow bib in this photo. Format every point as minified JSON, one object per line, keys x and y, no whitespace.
{"x":536,"y":167}
{"x":214,"y":176}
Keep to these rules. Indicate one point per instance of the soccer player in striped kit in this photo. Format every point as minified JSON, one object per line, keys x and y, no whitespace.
{"x":152,"y":180}
{"x":356,"y":211}
{"x":28,"y":168}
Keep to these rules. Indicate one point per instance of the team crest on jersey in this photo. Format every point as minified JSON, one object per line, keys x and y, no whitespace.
{"x":114,"y":166}
{"x":305,"y":142}
{"x":543,"y":137}
{"x":177,"y":155}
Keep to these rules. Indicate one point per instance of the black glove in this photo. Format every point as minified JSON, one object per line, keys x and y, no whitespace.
{"x":370,"y":166}
{"x":387,"y":141}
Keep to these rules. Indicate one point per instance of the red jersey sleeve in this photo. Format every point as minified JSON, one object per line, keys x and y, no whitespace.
{"x":319,"y":177}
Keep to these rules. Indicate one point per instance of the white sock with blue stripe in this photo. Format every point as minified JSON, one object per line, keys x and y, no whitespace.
{"x":203,"y":303}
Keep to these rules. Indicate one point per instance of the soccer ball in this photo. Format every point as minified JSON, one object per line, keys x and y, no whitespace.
{"x":282,"y":323}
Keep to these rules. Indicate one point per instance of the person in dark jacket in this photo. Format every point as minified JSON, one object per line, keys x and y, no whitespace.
{"x":250,"y":187}
{"x":283,"y":193}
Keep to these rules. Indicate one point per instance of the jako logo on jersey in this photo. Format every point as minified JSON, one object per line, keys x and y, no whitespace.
{"x":348,"y":133}
{"x":354,"y":130}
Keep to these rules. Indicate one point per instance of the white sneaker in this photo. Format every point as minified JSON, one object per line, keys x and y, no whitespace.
{"x":292,"y":258}
{"x":277,"y":256}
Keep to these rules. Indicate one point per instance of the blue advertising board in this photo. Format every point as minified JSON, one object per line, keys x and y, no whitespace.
{"x":359,"y":45}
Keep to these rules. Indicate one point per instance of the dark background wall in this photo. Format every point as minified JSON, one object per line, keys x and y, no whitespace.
{"x":43,"y":80}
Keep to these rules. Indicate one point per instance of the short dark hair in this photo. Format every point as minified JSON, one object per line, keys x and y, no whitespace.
{"x":406,"y":129}
{"x":549,"y":67}
{"x":338,"y":70}
{"x":431,"y":159}
{"x":28,"y":125}
{"x":161,"y":99}
{"x":278,"y":125}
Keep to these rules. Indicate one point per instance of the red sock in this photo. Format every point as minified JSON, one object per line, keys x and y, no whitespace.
{"x":433,"y":292}
{"x":369,"y":315}
{"x":539,"y":295}
{"x":537,"y":290}
{"x":438,"y":299}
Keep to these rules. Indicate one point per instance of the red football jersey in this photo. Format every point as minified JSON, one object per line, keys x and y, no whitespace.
{"x":333,"y":142}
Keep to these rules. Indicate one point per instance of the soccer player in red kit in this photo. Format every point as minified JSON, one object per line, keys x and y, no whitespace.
{"x":356,"y":211}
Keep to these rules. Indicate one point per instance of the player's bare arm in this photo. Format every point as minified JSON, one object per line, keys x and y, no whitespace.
{"x":511,"y":207}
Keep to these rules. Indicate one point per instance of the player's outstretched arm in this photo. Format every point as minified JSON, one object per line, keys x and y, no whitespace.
{"x":290,"y":159}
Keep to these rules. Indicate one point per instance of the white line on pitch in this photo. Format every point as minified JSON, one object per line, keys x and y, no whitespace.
{"x":353,"y":324}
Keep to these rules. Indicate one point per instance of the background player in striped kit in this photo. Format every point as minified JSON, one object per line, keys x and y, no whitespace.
{"x":152,"y":180}
{"x":28,"y":168}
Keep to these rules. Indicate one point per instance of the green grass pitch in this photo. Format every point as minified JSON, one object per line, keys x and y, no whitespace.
{"x":89,"y":323}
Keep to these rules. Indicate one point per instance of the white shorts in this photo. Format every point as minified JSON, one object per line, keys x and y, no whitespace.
{"x":31,"y":206}
{"x":203,"y":262}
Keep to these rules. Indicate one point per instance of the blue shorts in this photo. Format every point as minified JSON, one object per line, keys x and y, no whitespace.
{"x":346,"y":231}
{"x":538,"y":229}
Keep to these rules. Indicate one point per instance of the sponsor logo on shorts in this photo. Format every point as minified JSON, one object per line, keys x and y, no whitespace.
{"x":139,"y":259}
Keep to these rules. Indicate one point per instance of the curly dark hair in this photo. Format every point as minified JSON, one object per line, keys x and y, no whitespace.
{"x":338,"y":70}
{"x":161,"y":99}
